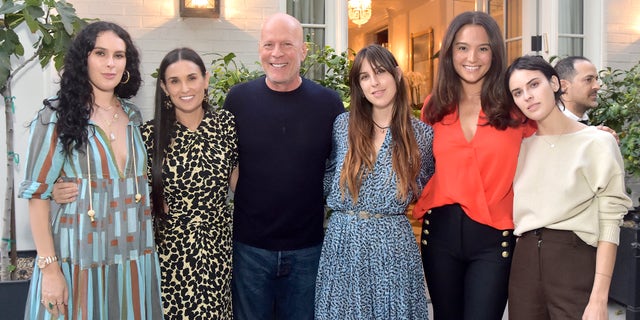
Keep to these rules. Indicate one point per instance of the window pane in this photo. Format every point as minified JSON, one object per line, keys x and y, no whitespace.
{"x":571,"y":13}
{"x":496,"y":10}
{"x":308,"y":11}
{"x":514,"y":19}
{"x":569,"y":46}
{"x":514,"y":50}
{"x":316,"y":38}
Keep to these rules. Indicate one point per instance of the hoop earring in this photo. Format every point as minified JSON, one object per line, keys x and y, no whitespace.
{"x":128,"y":77}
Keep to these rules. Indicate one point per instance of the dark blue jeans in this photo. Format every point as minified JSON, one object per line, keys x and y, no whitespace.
{"x":274,"y":284}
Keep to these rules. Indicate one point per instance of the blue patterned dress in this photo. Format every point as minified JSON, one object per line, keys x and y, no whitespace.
{"x":370,"y":266}
{"x":110,"y":265}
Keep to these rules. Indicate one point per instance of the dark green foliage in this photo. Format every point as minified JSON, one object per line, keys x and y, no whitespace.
{"x":619,"y":109}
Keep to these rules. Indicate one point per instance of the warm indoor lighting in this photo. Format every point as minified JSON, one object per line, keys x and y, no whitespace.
{"x":359,"y":11}
{"x":200,"y":8}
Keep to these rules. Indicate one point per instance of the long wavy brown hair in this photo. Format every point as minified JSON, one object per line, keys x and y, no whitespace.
{"x":361,"y":156}
{"x":448,"y":86}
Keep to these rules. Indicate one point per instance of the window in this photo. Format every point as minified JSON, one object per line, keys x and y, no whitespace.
{"x":311,"y":14}
{"x":570,"y":28}
{"x":513,"y":30}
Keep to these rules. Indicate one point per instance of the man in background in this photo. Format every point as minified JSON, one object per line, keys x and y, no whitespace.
{"x":579,"y":84}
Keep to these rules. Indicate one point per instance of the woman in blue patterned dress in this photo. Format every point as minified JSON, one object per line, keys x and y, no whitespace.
{"x":370,"y":266}
{"x":96,"y":255}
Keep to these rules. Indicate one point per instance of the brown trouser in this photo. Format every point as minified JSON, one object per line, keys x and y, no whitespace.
{"x":551,"y":276}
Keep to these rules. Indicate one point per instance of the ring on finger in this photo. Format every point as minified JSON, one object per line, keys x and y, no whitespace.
{"x":50,"y":305}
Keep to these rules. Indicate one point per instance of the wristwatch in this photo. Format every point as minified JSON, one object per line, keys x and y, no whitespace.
{"x":42,"y":262}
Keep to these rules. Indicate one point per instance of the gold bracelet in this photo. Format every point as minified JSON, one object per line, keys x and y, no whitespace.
{"x":605,"y":275}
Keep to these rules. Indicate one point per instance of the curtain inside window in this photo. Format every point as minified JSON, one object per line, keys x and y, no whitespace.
{"x":570,"y":27}
{"x":311,"y":13}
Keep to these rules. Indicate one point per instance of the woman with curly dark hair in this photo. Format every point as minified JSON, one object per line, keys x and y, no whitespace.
{"x":96,"y":255}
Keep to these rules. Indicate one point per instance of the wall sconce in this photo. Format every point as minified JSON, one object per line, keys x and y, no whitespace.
{"x":359,"y":11}
{"x":200,"y":8}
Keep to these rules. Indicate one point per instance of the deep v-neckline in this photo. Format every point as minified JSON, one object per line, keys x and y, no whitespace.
{"x":461,"y":126}
{"x":111,"y":152}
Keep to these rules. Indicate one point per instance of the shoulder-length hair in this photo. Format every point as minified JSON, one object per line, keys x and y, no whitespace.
{"x":531,"y":63}
{"x":76,"y":93}
{"x":360,"y":157}
{"x":164,"y":123}
{"x":448,"y":86}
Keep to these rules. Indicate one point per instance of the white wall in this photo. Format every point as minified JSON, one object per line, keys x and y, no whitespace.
{"x":622,"y":36}
{"x":156,"y":28}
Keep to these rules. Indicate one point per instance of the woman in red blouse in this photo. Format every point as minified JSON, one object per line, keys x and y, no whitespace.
{"x":466,"y":207}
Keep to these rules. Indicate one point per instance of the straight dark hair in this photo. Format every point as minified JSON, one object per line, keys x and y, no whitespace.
{"x":164,"y":124}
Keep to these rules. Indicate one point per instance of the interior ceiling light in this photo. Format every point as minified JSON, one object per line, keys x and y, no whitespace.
{"x":359,"y":11}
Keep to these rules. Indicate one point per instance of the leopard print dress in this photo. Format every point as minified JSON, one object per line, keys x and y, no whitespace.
{"x":194,"y":243}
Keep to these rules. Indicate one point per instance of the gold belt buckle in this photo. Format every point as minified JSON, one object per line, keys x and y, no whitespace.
{"x":363,"y":215}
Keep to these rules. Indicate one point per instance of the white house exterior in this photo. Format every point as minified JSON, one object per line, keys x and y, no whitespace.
{"x":611,"y":37}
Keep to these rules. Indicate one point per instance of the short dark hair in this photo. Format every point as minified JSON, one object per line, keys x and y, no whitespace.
{"x":533,"y":63}
{"x":566,"y":67}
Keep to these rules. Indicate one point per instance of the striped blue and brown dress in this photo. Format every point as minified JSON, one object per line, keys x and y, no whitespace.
{"x":110,"y":265}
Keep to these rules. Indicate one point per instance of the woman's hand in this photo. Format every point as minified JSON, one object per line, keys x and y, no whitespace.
{"x":596,"y":310}
{"x":233,"y":179}
{"x":64,"y":192}
{"x":55,"y":293}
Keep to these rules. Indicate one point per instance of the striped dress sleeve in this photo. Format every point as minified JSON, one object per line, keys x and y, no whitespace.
{"x":44,"y":157}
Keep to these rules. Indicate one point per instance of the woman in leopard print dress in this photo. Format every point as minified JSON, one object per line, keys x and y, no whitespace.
{"x":191,"y":162}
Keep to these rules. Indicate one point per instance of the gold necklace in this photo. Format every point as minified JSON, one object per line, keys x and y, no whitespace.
{"x":114,"y":118}
{"x":103,"y":108}
{"x":553,"y":143}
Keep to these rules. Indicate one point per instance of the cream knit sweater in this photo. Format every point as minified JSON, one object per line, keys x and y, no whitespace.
{"x":571,"y":182}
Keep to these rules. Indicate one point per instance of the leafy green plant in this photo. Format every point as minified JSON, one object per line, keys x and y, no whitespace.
{"x":323,"y":66}
{"x":329,"y":68}
{"x":55,"y":23}
{"x":225,"y":73}
{"x":619,"y":109}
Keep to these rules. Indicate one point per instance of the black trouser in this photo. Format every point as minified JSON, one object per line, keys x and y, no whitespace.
{"x":466,"y":265}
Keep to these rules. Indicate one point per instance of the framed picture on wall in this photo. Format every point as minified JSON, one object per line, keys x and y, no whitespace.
{"x":421,"y":61}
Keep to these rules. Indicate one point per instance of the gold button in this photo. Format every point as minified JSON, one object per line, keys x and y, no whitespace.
{"x":505,"y":233}
{"x":505,"y":244}
{"x":425,"y":231}
{"x":429,"y":211}
{"x":426,"y":221}
{"x":424,"y":242}
{"x":505,"y":254}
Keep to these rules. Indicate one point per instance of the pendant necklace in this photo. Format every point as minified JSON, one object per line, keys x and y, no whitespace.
{"x":384,"y":129}
{"x":114,"y":118}
{"x":553,"y":143}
